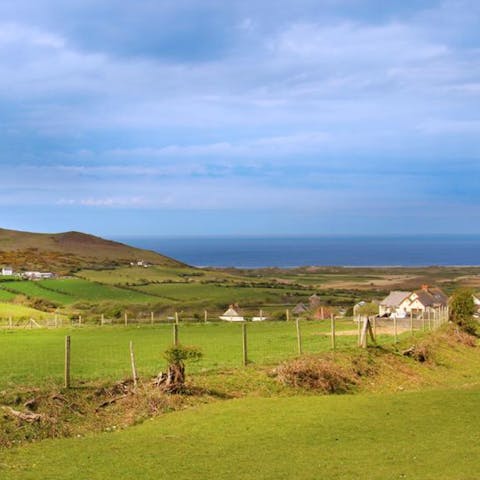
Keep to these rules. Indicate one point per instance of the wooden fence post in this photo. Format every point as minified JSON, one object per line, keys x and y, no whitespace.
{"x":134,"y":367}
{"x":359,"y":330}
{"x":176,"y":318}
{"x":395,"y":333}
{"x":152,"y":318}
{"x":287,"y":314}
{"x":126,"y":319}
{"x":332,"y":320}
{"x":10,"y":323}
{"x":411,"y":322}
{"x":205,"y":316}
{"x":67,"y":361}
{"x":299,"y":336}
{"x":175,"y":334}
{"x":244,"y":344}
{"x":79,"y":319}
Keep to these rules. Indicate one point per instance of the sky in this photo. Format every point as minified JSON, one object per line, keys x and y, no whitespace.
{"x":240,"y":117}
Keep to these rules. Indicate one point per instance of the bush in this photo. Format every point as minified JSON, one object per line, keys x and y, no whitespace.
{"x":178,"y":354}
{"x":462,"y":309}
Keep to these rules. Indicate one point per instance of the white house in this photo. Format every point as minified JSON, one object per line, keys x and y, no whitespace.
{"x":7,"y":271}
{"x":402,"y":304}
{"x":231,"y":315}
{"x":395,"y":304}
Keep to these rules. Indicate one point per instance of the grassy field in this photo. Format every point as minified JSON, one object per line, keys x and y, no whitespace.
{"x":209,"y":294}
{"x":83,"y":290}
{"x":35,"y":290}
{"x":379,"y":437}
{"x":19,"y":311}
{"x":36,"y":357}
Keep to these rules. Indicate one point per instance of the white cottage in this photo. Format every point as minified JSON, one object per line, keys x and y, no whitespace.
{"x":231,"y":315}
{"x":7,"y":271}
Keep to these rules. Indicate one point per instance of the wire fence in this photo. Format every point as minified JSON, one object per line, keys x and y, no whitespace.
{"x":34,"y":356}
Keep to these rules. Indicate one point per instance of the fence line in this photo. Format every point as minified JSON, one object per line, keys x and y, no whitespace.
{"x":91,"y":354}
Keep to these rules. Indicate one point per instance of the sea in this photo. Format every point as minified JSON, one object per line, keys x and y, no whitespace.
{"x":296,"y":251}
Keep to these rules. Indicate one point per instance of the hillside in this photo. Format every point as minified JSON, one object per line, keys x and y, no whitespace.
{"x":70,"y":251}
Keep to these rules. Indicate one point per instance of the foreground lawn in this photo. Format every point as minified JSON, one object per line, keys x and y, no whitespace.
{"x":422,"y":435}
{"x":102,"y":353}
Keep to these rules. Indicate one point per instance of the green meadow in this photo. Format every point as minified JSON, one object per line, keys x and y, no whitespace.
{"x":36,"y":356}
{"x":429,"y":435}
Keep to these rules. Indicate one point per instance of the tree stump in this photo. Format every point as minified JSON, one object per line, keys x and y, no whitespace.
{"x":173,"y":381}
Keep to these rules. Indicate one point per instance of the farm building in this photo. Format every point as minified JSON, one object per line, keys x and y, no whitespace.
{"x":232,"y":315}
{"x":300,"y":309}
{"x":38,"y":275}
{"x":7,"y":271}
{"x":322,"y":313}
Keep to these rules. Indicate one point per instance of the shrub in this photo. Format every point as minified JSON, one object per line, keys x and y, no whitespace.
{"x":462,"y":309}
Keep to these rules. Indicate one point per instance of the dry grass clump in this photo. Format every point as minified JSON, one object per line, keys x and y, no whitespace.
{"x":316,"y":374}
{"x":421,"y":352}
{"x":462,"y":337}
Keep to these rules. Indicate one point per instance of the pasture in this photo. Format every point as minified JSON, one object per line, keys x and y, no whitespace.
{"x":390,"y":436}
{"x":36,"y":357}
{"x":10,"y":310}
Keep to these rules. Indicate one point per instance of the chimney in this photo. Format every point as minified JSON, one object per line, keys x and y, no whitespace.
{"x":425,"y":287}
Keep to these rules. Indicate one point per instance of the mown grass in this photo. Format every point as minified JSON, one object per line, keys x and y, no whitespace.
{"x":35,"y":357}
{"x":428,"y":435}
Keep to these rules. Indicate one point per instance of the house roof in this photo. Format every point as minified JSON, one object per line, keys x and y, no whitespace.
{"x":231,"y":312}
{"x":300,"y":308}
{"x":431,"y":297}
{"x":395,"y":298}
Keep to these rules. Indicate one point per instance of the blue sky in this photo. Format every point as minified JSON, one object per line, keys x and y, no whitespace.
{"x":240,"y":117}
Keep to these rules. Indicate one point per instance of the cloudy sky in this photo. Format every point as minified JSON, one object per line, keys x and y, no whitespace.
{"x":240,"y":117}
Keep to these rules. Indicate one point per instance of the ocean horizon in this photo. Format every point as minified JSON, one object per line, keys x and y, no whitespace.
{"x":315,"y":250}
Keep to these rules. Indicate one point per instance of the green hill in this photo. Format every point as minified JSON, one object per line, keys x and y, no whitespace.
{"x":70,"y":251}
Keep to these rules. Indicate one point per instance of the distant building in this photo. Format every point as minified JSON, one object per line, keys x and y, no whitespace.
{"x":323,"y":313}
{"x":300,"y":309}
{"x":395,"y":304}
{"x":7,"y":271}
{"x":232,"y":315}
{"x":314,"y":301}
{"x":140,"y":263}
{"x":38,"y":275}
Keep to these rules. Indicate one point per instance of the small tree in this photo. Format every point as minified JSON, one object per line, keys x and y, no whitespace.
{"x":462,"y":309}
{"x":368,"y":309}
{"x":173,"y":381}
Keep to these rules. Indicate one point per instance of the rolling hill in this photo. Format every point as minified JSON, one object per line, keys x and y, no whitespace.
{"x":70,"y":251}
